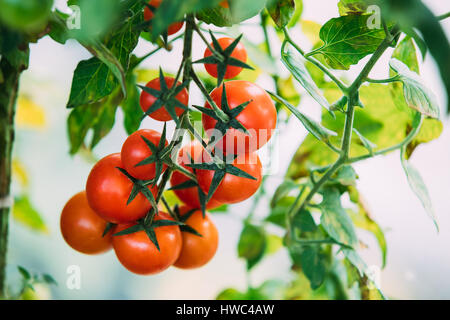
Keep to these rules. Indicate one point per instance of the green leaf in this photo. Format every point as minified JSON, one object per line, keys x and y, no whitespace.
{"x":274,"y":244}
{"x":109,"y":59}
{"x":287,"y":90}
{"x":414,"y":14}
{"x":335,"y":219}
{"x":315,"y":128}
{"x":24,"y":272}
{"x":172,"y":11}
{"x":297,"y":13}
{"x":362,"y":219}
{"x":231,"y":294}
{"x":218,"y":16}
{"x":272,"y":289}
{"x":313,"y":265}
{"x":405,"y":51}
{"x":283,"y":189}
{"x":243,"y":10}
{"x":410,"y":32}
{"x":97,"y":77}
{"x":347,"y":7}
{"x":354,"y":258}
{"x":58,"y":28}
{"x":346,"y":176}
{"x":418,"y":186}
{"x":25,"y":213}
{"x":295,"y":64}
{"x":281,"y":11}
{"x":365,"y":142}
{"x":97,"y":17}
{"x":430,"y":130}
{"x":252,"y":244}
{"x":417,"y":96}
{"x":277,"y":215}
{"x":92,"y":81}
{"x":347,"y":40}
{"x":304,"y":221}
{"x":99,"y":117}
{"x":131,"y":106}
{"x":48,"y":279}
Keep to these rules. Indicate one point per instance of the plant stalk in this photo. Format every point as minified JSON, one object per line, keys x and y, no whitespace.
{"x":8,"y":96}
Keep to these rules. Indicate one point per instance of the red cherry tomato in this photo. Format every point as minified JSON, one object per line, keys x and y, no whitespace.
{"x":108,"y":191}
{"x":197,"y":251}
{"x":238,"y":53}
{"x":189,"y":195}
{"x":82,"y":228}
{"x":134,"y":150}
{"x":259,"y":117}
{"x":148,"y":15}
{"x":147,"y":100}
{"x":139,"y":255}
{"x":234,"y":189}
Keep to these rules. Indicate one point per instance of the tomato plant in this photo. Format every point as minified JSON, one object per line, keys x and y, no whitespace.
{"x":313,"y":210}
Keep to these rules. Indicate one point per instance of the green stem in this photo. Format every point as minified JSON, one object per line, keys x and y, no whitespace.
{"x":202,"y":36}
{"x":222,"y":115}
{"x":275,"y":77}
{"x":169,"y":209}
{"x":321,"y":182}
{"x":305,"y":242}
{"x":353,"y":101}
{"x":393,"y":79}
{"x":184,"y":171}
{"x":338,"y":82}
{"x":406,"y":141}
{"x":187,"y":49}
{"x":140,"y":59}
{"x":443,"y":16}
{"x":8,"y":96}
{"x":371,"y":63}
{"x":176,"y":141}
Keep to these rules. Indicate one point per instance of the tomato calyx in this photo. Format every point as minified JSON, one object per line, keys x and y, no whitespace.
{"x":232,"y":122}
{"x":139,"y":186}
{"x":160,"y":155}
{"x":190,"y":184}
{"x":183,"y":218}
{"x":166,"y":97}
{"x":108,"y":228}
{"x":148,"y":225}
{"x":222,"y":58}
{"x":220,"y":170}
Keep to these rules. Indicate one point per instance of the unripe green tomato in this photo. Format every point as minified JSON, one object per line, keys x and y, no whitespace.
{"x":25,"y":15}
{"x":41,"y":292}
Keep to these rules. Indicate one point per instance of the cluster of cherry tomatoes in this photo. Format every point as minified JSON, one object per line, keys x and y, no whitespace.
{"x":118,"y":209}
